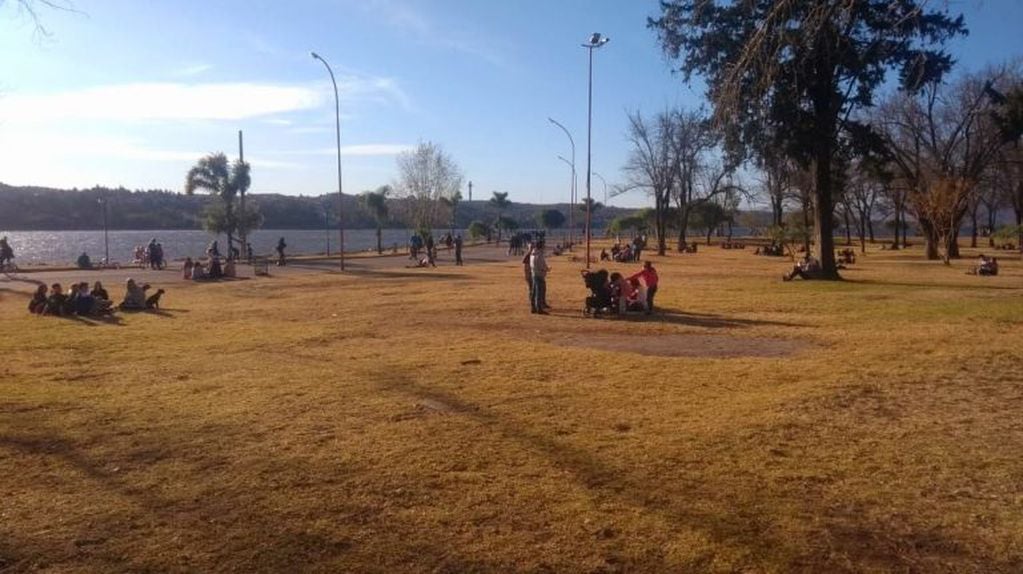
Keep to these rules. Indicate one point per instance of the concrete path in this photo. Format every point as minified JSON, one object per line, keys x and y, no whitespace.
{"x":113,"y":279}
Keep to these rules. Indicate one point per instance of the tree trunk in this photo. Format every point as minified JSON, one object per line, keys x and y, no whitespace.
{"x":931,"y":240}
{"x":863,"y":234}
{"x":380,"y":243}
{"x":870,"y":228}
{"x":848,"y":227}
{"x":659,"y":221}
{"x":710,"y":230}
{"x":973,"y":228}
{"x":952,"y":244}
{"x":806,"y":227}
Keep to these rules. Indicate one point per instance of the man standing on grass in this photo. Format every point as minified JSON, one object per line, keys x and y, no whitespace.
{"x":538,"y":265}
{"x":458,"y":249}
{"x":527,"y":270}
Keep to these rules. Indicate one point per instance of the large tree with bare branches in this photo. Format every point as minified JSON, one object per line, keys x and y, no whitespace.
{"x":800,"y":69}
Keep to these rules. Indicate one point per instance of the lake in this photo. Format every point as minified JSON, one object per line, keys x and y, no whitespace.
{"x":64,"y":247}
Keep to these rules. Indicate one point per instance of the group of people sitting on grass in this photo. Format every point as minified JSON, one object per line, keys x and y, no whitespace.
{"x":617,"y":294}
{"x":213,"y":270}
{"x":628,"y":253}
{"x":82,"y":301}
{"x":985,"y":266}
{"x":773,"y":249}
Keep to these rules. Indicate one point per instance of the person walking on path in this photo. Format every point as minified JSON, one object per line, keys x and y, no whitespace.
{"x":458,"y":249}
{"x":431,"y":251}
{"x":649,"y":276}
{"x":281,"y":245}
{"x":538,"y":266}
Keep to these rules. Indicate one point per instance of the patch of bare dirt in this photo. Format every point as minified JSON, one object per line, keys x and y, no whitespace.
{"x":683,"y":345}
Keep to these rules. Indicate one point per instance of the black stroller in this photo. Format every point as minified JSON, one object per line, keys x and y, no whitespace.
{"x":600,"y":299}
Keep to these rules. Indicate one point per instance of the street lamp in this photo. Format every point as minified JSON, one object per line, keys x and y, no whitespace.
{"x":604,"y":181}
{"x":596,"y":41}
{"x":571,"y":208}
{"x":106,"y":233}
{"x":571,"y":201}
{"x":340,"y":196}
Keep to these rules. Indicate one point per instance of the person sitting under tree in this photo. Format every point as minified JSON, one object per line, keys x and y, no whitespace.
{"x":807,"y":268}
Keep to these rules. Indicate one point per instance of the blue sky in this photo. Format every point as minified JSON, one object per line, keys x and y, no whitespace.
{"x":132,"y":93}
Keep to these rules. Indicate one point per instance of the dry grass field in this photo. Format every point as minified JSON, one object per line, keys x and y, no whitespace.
{"x":425,"y":421}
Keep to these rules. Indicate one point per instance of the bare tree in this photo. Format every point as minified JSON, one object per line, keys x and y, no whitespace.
{"x":651,"y":166}
{"x":941,"y":143}
{"x":425,"y":175}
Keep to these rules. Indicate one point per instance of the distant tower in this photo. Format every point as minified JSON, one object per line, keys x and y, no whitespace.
{"x":470,"y":190}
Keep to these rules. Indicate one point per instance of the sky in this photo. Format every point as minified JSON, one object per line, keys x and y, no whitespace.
{"x":129,"y":93}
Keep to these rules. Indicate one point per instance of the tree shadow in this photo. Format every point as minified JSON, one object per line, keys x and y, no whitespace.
{"x":875,"y":282}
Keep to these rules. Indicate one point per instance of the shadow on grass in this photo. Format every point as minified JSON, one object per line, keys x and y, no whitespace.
{"x":875,"y":282}
{"x":678,"y":317}
{"x":731,"y":514}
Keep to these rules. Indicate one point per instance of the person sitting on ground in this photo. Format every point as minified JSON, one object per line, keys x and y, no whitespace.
{"x":621,"y":291}
{"x":636,"y":300}
{"x":987,"y":266}
{"x":85,"y":303}
{"x":134,"y":296}
{"x":186,"y":269}
{"x":198,"y":271}
{"x":807,"y":268}
{"x":56,"y":301}
{"x":37,"y":305}
{"x":604,"y":256}
{"x":649,"y":276}
{"x":71,"y":302}
{"x":99,"y":292}
{"x":83,"y":261}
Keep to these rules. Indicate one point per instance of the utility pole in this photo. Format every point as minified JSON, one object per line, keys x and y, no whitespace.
{"x":242,"y":233}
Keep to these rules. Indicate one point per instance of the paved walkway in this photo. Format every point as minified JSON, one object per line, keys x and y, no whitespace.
{"x":112,"y":279}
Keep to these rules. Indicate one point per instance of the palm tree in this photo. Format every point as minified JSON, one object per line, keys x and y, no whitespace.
{"x":375,"y":202}
{"x":224,"y":180}
{"x":500,"y":202}
{"x":451,"y":202}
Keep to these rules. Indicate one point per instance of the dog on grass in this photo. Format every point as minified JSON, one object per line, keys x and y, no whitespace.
{"x":153,"y":301}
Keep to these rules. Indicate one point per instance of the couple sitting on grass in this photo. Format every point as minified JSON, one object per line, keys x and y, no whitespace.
{"x":619,"y":294}
{"x":196,"y":271}
{"x":985,"y":266}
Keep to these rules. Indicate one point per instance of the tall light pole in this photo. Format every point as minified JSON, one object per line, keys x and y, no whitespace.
{"x":571,"y":201}
{"x":596,"y":41}
{"x":340,"y":196}
{"x":571,"y":204}
{"x":604,"y":181}
{"x":106,"y":233}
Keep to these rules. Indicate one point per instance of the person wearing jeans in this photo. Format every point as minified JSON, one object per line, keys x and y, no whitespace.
{"x":539,"y":268}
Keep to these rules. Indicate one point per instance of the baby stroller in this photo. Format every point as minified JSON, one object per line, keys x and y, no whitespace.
{"x":600,"y":299}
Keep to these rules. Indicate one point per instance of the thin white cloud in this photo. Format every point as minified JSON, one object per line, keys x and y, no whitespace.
{"x":192,"y":70}
{"x":358,"y":150}
{"x":194,"y":101}
{"x":159,"y":101}
{"x":404,"y":17}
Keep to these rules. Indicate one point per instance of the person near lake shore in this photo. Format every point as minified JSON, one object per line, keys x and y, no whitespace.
{"x":539,"y":268}
{"x":649,"y":276}
{"x":213,"y":250}
{"x":431,"y":251}
{"x":83,"y":261}
{"x":281,"y":245}
{"x":37,"y":305}
{"x":6,"y":252}
{"x":186,"y":269}
{"x":458,"y":249}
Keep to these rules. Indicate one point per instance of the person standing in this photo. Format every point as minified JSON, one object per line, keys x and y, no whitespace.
{"x":6,"y":253}
{"x":281,"y":245}
{"x":539,"y":268}
{"x":431,"y":251}
{"x":458,"y":249}
{"x":649,"y":276}
{"x":527,"y":270}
